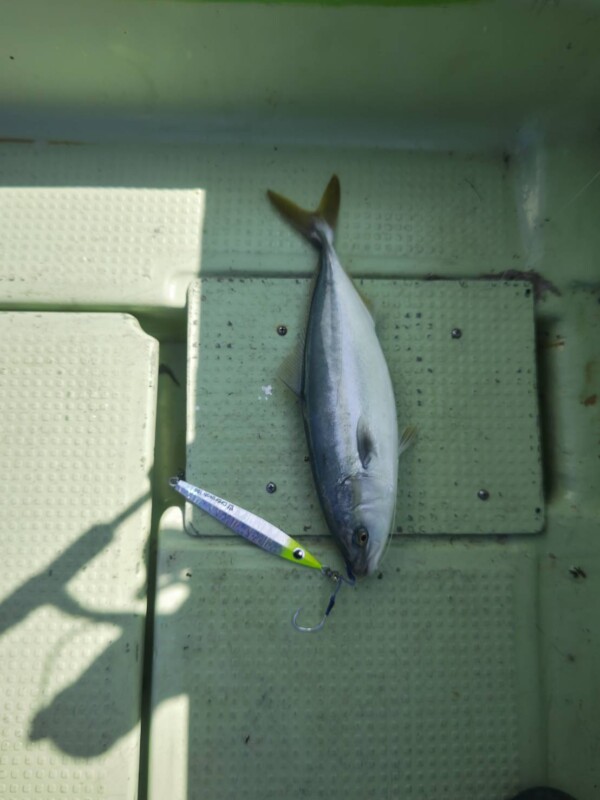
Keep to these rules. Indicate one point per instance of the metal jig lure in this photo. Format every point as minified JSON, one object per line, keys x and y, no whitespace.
{"x":264,"y":535}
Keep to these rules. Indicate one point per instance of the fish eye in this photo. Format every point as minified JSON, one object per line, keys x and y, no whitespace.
{"x":361,"y":536}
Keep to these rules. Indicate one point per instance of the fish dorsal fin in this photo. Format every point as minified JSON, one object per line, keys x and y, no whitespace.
{"x":291,"y":370}
{"x":365,"y":443}
{"x":307,"y":222}
{"x":409,"y":434}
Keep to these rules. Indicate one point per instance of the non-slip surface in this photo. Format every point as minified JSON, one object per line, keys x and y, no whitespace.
{"x":407,"y":215}
{"x":131,"y":226}
{"x":77,"y":393}
{"x":472,"y":397}
{"x":85,"y":227}
{"x":421,"y":685}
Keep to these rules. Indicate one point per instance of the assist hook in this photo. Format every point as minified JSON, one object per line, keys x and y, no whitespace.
{"x":338,"y":579}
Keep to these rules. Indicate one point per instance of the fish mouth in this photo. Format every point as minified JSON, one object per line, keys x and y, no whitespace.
{"x":363,"y":564}
{"x":357,"y":569}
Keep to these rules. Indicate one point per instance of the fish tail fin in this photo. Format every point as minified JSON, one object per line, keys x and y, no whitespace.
{"x":329,"y":207}
{"x":312,"y":224}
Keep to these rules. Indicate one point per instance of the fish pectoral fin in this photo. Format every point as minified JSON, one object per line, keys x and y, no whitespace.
{"x":409,"y":435}
{"x":365,"y":443}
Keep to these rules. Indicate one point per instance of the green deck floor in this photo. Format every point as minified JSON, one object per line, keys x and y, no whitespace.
{"x":142,"y":279}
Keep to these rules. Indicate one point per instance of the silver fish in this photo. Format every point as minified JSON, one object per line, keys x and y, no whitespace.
{"x":348,"y":399}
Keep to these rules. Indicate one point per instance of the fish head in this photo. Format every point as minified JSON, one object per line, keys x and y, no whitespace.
{"x":367,"y":522}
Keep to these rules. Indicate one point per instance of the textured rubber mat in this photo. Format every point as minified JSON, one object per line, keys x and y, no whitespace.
{"x":472,"y":397}
{"x":422,"y":684}
{"x":77,"y":393}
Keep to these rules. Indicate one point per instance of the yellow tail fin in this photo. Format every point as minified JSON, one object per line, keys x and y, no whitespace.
{"x":305,"y":221}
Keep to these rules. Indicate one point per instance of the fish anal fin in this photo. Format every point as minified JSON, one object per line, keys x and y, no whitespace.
{"x":407,"y":439}
{"x":365,"y":443}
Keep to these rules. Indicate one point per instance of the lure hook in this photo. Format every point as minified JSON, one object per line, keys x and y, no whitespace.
{"x":304,"y":629}
{"x":338,"y":579}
